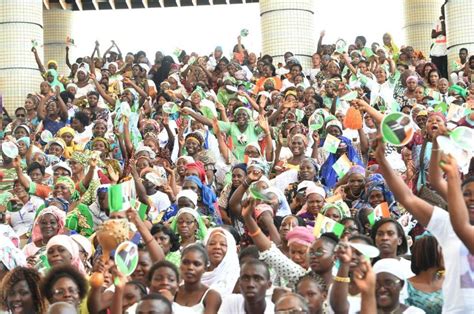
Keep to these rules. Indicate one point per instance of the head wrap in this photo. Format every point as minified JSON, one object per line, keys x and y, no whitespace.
{"x":240,"y":166}
{"x":208,"y":198}
{"x":291,"y":92}
{"x":254,"y":144}
{"x":25,"y":140}
{"x":412,"y":78}
{"x":52,"y":62}
{"x":439,"y":114}
{"x":225,"y":275}
{"x":188,"y":159}
{"x":304,"y":138}
{"x":247,"y":110}
{"x":143,"y":148}
{"x":199,"y":166}
{"x":52,"y":210}
{"x":153,"y":123}
{"x":300,"y":235}
{"x":10,"y":255}
{"x":71,"y":246}
{"x":195,"y":136}
{"x":103,"y":140}
{"x":334,"y":122}
{"x":315,"y":189}
{"x":356,"y":169}
{"x":59,"y":141}
{"x":69,"y":183}
{"x":258,"y":163}
{"x":378,"y":184}
{"x":84,"y":243}
{"x":66,"y":129}
{"x":338,"y":207}
{"x":189,"y":194}
{"x":201,"y":231}
{"x":23,"y":126}
{"x":391,"y":266}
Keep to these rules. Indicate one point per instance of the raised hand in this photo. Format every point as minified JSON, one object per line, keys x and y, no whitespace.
{"x":364,"y":277}
{"x":449,"y":165}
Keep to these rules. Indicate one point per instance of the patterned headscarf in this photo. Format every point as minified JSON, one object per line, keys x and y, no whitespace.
{"x":52,"y":210}
{"x":69,"y":183}
{"x":103,"y":140}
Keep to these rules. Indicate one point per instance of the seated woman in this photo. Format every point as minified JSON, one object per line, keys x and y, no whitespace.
{"x":312,"y":287}
{"x":194,"y":296}
{"x":206,"y":198}
{"x":287,"y":224}
{"x":48,"y":223}
{"x":189,"y":226}
{"x":315,"y":196}
{"x":64,"y":284}
{"x":62,"y":250}
{"x":390,"y":281}
{"x":333,"y":211}
{"x":221,"y":274}
{"x":168,"y":241}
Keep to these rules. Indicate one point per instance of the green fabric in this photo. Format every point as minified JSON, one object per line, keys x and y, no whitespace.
{"x":55,"y":81}
{"x":223,"y":96}
{"x":174,"y":257}
{"x":80,"y":219}
{"x":250,"y":135}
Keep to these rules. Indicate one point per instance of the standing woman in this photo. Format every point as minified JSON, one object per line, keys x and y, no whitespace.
{"x":193,"y":296}
{"x":20,"y":292}
{"x":222,"y":273}
{"x":189,"y":226}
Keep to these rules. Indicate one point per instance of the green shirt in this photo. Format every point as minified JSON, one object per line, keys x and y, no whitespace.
{"x":241,"y":139}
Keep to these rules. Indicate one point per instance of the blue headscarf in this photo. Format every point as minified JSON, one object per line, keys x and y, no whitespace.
{"x":328,"y":175}
{"x":375,"y":182}
{"x":208,"y":198}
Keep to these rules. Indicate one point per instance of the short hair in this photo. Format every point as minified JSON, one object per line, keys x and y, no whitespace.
{"x":33,"y":166}
{"x":250,"y":251}
{"x":140,"y":286}
{"x":329,"y":237}
{"x":82,"y":117}
{"x":196,"y":247}
{"x":65,"y":271}
{"x":93,"y":93}
{"x":257,"y":262}
{"x":157,"y":297}
{"x":315,"y":278}
{"x":304,"y":306}
{"x":402,"y":248}
{"x":362,"y":237}
{"x":467,"y":181}
{"x":164,"y":95}
{"x":174,"y":239}
{"x":65,"y":95}
{"x":464,"y":49}
{"x":362,"y":39}
{"x":162,"y":264}
{"x":20,"y":108}
{"x":425,"y":254}
{"x":32,"y":278}
{"x":267,"y":59}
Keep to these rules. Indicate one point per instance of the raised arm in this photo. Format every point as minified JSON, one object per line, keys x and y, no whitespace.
{"x":86,"y":181}
{"x":68,"y":63}
{"x":437,"y":182}
{"x":420,"y":209}
{"x":376,"y":115}
{"x":258,"y":237}
{"x":236,"y":198}
{"x":101,"y":91}
{"x":140,"y":91}
{"x":42,"y":107}
{"x":197,"y":116}
{"x":24,"y":181}
{"x":38,"y":61}
{"x":62,"y":106}
{"x":223,"y":149}
{"x":340,"y":289}
{"x":320,"y":41}
{"x":263,"y":123}
{"x":139,"y":187}
{"x":458,"y":212}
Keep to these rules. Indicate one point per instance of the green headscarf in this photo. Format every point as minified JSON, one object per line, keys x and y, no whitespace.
{"x":55,"y":81}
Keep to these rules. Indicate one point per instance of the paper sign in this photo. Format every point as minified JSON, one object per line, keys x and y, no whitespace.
{"x":324,"y":224}
{"x":342,"y":166}
{"x":350,"y":96}
{"x":140,"y":208}
{"x":455,"y":113}
{"x":463,"y":137}
{"x":120,"y":196}
{"x":244,"y":32}
{"x":316,"y":121}
{"x":10,"y":149}
{"x":331,"y":144}
{"x":397,"y":129}
{"x":441,"y":107}
{"x":126,"y":257}
{"x":380,"y":211}
{"x":344,"y":207}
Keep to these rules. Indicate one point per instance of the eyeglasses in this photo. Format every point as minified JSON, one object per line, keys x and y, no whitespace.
{"x":387,"y":284}
{"x":20,"y":115}
{"x":316,"y":254}
{"x":62,"y":292}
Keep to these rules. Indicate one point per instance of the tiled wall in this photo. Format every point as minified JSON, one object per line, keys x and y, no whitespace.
{"x":459,"y":27}
{"x":419,"y":18}
{"x":20,"y":22}
{"x":57,"y":27}
{"x":288,"y":25}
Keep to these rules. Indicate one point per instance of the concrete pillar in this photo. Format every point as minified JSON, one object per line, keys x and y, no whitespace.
{"x":459,"y":28}
{"x":420,"y":16}
{"x":288,"y":25}
{"x":21,"y":21}
{"x":57,"y":27}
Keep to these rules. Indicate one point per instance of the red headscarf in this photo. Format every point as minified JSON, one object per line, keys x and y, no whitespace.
{"x":199,"y":166}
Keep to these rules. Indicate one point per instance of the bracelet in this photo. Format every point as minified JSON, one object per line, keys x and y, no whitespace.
{"x":256,"y":233}
{"x":149,"y":241}
{"x":435,"y":149}
{"x":245,"y":183}
{"x":342,"y":279}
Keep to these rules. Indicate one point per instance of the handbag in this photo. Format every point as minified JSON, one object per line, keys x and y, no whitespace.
{"x":425,"y":192}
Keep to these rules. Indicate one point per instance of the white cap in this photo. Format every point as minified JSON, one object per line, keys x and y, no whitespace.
{"x":189,"y":194}
{"x":390,"y":265}
{"x":63,"y":165}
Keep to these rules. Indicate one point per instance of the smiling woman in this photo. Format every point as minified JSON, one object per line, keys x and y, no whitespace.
{"x":20,"y":292}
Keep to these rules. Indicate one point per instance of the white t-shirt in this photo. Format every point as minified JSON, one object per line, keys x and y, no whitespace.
{"x":458,"y":291}
{"x":234,"y":304}
{"x":439,"y":47}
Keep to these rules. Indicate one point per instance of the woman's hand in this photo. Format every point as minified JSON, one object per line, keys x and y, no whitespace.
{"x":379,"y":147}
{"x":263,"y":123}
{"x":343,"y":252}
{"x":248,"y":208}
{"x":132,"y":216}
{"x":254,"y":175}
{"x":449,"y":165}
{"x":215,"y":126}
{"x":364,"y":278}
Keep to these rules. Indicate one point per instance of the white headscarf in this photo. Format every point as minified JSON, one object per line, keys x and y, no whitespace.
{"x":225,"y":275}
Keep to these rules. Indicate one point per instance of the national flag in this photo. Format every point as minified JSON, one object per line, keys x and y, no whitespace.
{"x":380,"y":211}
{"x":325,"y":224}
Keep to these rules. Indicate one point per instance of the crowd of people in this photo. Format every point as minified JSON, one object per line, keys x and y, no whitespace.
{"x":246,"y":187}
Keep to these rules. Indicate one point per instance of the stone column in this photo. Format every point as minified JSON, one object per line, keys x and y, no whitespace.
{"x":420,"y":16}
{"x":459,"y":28}
{"x":288,"y":25}
{"x":57,"y":27}
{"x":21,"y":21}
